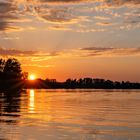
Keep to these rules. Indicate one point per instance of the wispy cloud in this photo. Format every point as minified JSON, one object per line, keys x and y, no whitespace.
{"x":35,"y":55}
{"x":122,"y":2}
{"x":14,"y":52}
{"x":37,"y":65}
{"x":109,"y":51}
{"x":104,"y":23}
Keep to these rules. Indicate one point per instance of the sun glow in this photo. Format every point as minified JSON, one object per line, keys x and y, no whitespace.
{"x":32,"y":77}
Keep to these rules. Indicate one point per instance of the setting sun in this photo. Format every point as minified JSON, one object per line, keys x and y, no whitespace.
{"x":32,"y":77}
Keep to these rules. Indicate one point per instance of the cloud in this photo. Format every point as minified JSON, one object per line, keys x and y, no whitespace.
{"x":58,"y":14}
{"x":14,"y":52}
{"x":7,"y":10}
{"x":66,"y":1}
{"x":59,"y":27}
{"x":104,"y":13}
{"x":33,"y":56}
{"x":113,"y":2}
{"x":98,"y":49}
{"x":104,"y":23}
{"x":122,"y":2}
{"x":109,"y":51}
{"x":14,"y":14}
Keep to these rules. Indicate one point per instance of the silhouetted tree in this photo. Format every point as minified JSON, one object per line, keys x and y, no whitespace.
{"x":10,"y":73}
{"x":12,"y":69}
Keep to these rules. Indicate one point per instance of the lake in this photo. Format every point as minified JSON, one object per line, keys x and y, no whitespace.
{"x":79,"y":114}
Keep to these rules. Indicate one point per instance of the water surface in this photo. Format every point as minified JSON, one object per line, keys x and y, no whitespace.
{"x":85,"y":114}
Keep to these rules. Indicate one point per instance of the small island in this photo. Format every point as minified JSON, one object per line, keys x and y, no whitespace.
{"x":12,"y":77}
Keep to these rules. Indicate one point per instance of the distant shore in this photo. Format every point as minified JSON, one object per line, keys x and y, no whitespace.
{"x":82,"y":83}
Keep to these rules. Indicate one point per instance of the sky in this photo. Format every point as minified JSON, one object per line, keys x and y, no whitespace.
{"x":58,"y":39}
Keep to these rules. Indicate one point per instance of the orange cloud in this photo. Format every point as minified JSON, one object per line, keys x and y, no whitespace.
{"x":109,"y":51}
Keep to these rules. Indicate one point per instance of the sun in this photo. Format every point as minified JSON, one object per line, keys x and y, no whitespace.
{"x":32,"y":77}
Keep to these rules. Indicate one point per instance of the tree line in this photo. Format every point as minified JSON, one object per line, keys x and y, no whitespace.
{"x":81,"y":84}
{"x":12,"y":77}
{"x":100,"y":83}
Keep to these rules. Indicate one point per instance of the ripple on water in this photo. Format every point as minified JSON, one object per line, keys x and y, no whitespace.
{"x":70,"y":114}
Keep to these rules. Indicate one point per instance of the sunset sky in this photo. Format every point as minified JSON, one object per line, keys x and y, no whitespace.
{"x":73,"y":38}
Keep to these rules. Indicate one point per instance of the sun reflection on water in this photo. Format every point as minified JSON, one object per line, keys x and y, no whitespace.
{"x":31,"y":101}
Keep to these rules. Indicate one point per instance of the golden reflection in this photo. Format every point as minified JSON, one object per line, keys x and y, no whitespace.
{"x":40,"y":105}
{"x":31,"y":101}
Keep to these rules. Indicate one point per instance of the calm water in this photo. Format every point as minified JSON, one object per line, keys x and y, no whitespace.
{"x":70,"y":115}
